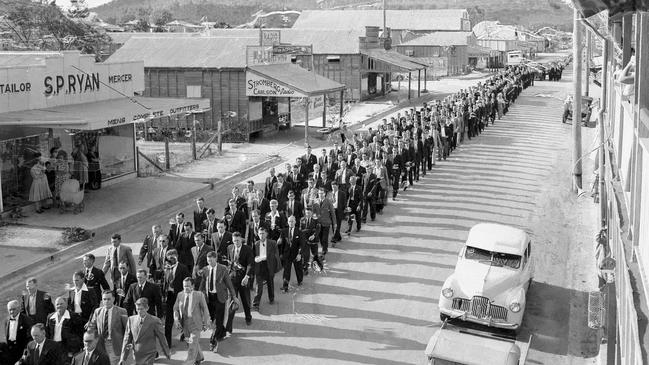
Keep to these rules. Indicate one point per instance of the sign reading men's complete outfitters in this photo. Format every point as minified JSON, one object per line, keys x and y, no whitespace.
{"x":257,"y":85}
{"x":65,"y":79}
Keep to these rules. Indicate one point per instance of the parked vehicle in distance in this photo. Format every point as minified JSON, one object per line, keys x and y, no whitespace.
{"x":515,"y":58}
{"x":491,"y":278}
{"x":451,"y":345}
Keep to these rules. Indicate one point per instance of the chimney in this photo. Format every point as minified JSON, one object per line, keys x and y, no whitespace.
{"x":372,"y":36}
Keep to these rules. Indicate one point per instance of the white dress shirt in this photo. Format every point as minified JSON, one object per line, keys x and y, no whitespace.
{"x":59,"y":325}
{"x":262,"y":250}
{"x":77,"y":298}
{"x":273,"y":217}
{"x":13,"y":328}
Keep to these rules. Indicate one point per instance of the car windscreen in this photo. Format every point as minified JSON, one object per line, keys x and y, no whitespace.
{"x":492,"y":258}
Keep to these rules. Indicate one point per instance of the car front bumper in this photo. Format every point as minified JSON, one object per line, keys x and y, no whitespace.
{"x":464,"y":316}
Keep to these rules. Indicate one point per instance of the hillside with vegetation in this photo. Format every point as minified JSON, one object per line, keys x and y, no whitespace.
{"x":532,"y":14}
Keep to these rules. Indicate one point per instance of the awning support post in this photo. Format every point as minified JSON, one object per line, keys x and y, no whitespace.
{"x":290,"y":123}
{"x":219,"y":130}
{"x":342,"y":95}
{"x":194,"y":136}
{"x":409,"y":83}
{"x":425,"y":79}
{"x":418,"y":83}
{"x":324,"y":110}
{"x":167,"y":162}
{"x":306,"y":123}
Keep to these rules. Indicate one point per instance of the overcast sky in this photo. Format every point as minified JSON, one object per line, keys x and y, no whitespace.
{"x":91,"y":3}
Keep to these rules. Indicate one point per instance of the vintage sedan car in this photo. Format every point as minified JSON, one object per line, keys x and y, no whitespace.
{"x":491,"y":278}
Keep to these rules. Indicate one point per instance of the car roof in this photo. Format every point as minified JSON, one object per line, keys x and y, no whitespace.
{"x":498,"y":238}
{"x":475,"y":349}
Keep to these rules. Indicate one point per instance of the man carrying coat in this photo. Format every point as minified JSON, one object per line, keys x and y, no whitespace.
{"x":267,"y":264}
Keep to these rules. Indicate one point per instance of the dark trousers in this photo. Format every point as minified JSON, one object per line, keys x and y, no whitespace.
{"x":169,"y":315}
{"x":308,"y":250}
{"x":356,"y":215}
{"x":339,"y":219}
{"x":217,"y":312}
{"x":244,"y":294}
{"x":297,"y":266}
{"x":445,"y":147}
{"x":369,"y":204}
{"x":396,"y":179}
{"x":430,"y":159}
{"x":416,"y":167}
{"x":324,"y":238}
{"x":264,"y":275}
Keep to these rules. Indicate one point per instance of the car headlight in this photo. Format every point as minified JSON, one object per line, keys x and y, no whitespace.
{"x":447,"y":292}
{"x":515,"y":307}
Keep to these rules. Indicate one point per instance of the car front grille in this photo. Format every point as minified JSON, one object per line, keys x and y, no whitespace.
{"x":480,"y":307}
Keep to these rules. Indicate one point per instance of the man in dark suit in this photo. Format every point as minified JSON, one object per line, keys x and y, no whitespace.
{"x":221,"y":239}
{"x":291,"y":242}
{"x":184,"y":246}
{"x":354,"y":203}
{"x":241,"y":259}
{"x":120,"y":287}
{"x":309,"y":160}
{"x":158,"y":259}
{"x":252,"y":232}
{"x":175,"y":273}
{"x":398,"y":168}
{"x":199,"y":253}
{"x":66,"y":328}
{"x":307,"y":193}
{"x":94,"y":278}
{"x":17,"y":332}
{"x":148,"y":245}
{"x":339,"y":200}
{"x":177,"y":228}
{"x":216,"y":286}
{"x":324,"y":182}
{"x":370,"y":194}
{"x":81,"y":300}
{"x":200,"y":215}
{"x":90,"y":355}
{"x":342,"y":176}
{"x":267,"y":264}
{"x":270,"y":181}
{"x":36,"y":304}
{"x":293,"y":206}
{"x":330,"y":168}
{"x":239,"y":218}
{"x":109,"y":321}
{"x":280,"y":192}
{"x":144,"y":289}
{"x":210,"y":225}
{"x":41,"y":351}
{"x":298,"y":179}
{"x":310,"y":232}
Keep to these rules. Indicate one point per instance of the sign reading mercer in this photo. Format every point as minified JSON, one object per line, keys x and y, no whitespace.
{"x":257,"y":85}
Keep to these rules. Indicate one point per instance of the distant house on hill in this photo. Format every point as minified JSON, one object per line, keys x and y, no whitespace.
{"x":507,"y":38}
{"x":179,"y":26}
{"x":402,"y":23}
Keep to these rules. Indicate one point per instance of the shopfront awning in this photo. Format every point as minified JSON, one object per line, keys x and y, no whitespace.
{"x":591,"y":7}
{"x":287,"y":80}
{"x":395,"y":59}
{"x":480,"y":51}
{"x":103,"y":114}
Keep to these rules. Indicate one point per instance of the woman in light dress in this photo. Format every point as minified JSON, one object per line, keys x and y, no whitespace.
{"x":40,"y":190}
{"x":62,"y":170}
{"x":80,"y":166}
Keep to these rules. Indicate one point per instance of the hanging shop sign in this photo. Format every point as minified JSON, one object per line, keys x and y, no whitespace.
{"x":257,"y":85}
{"x":269,"y":37}
{"x":292,"y":49}
{"x":264,"y":55}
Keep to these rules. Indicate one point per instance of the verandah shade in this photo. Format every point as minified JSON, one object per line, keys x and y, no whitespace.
{"x":591,"y":7}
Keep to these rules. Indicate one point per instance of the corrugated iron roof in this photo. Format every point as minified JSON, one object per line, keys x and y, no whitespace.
{"x":186,"y":52}
{"x":297,"y":78}
{"x":12,"y":59}
{"x":121,"y":38}
{"x":418,"y":19}
{"x":394,"y":58}
{"x":441,"y":39}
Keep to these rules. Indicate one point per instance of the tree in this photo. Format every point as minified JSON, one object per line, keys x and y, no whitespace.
{"x":161,"y":17}
{"x":476,"y":15}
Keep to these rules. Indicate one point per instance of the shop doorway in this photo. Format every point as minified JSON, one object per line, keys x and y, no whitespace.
{"x":269,"y":113}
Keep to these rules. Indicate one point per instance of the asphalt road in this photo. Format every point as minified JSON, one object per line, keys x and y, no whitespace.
{"x":377,"y":302}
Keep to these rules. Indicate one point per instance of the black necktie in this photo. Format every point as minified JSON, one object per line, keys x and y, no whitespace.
{"x":106,"y":321}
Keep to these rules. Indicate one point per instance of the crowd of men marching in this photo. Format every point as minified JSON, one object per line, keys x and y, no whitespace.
{"x":198,"y":273}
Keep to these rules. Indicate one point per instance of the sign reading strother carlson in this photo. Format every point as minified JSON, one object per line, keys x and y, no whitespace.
{"x":66,"y":78}
{"x":257,"y":85}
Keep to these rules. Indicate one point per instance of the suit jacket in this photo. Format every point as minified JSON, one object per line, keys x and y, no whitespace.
{"x":23,"y":336}
{"x":200,"y":258}
{"x":130,"y":279}
{"x":339,"y":174}
{"x":238,"y":224}
{"x":341,"y":203}
{"x":51,"y":354}
{"x":88,"y":302}
{"x":184,"y":246}
{"x":142,"y":334}
{"x":199,"y":314}
{"x":246,"y":261}
{"x":96,"y":282}
{"x":44,"y":307}
{"x":124,"y":254}
{"x":291,"y":245}
{"x":310,"y":228}
{"x":272,"y":258}
{"x":117,"y":327}
{"x":280,"y":194}
{"x":210,"y":227}
{"x":151,"y":292}
{"x":354,"y":199}
{"x":280,"y":222}
{"x":309,"y":162}
{"x":268,"y":186}
{"x":221,"y":281}
{"x":221,"y":246}
{"x":71,"y":329}
{"x":158,"y":258}
{"x":98,"y":357}
{"x":173,"y":233}
{"x":297,"y":210}
{"x":199,"y":218}
{"x":148,"y":245}
{"x":176,"y":285}
{"x":252,"y":234}
{"x":325,"y":212}
{"x":330,"y":169}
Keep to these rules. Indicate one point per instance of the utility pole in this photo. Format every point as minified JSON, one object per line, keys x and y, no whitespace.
{"x":576,"y":103}
{"x":589,"y":53}
{"x":602,"y":134}
{"x":384,"y":20}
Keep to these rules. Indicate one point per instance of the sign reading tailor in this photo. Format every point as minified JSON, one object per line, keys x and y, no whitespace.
{"x":257,"y":85}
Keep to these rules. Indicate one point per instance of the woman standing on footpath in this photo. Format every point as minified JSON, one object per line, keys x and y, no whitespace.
{"x":62,"y":170}
{"x":80,"y":166}
{"x":40,"y":190}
